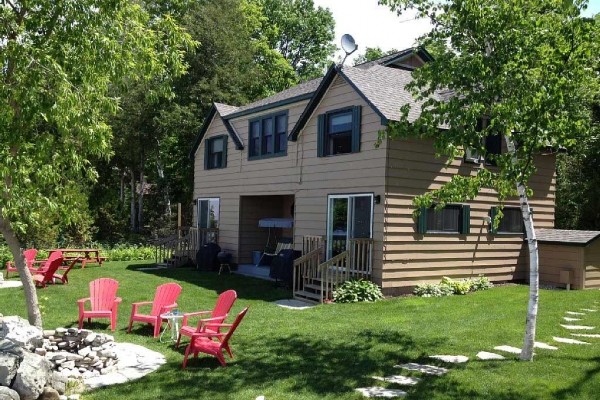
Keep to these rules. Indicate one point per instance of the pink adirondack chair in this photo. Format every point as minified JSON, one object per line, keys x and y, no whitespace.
{"x":213,"y":343}
{"x":103,"y":302}
{"x":165,"y":299}
{"x":29,"y":255}
{"x":64,"y":277}
{"x":217,"y":316}
{"x":46,"y":274}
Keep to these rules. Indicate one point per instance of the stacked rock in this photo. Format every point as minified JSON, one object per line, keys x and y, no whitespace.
{"x":78,"y":353}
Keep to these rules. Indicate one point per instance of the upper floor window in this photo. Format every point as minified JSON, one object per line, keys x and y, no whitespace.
{"x":215,"y":154}
{"x":268,"y":136}
{"x":453,"y":218}
{"x":338,"y":132}
{"x":511,"y":221}
{"x":491,"y":143}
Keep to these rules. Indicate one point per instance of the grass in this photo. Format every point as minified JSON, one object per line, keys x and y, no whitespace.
{"x":328,"y":351}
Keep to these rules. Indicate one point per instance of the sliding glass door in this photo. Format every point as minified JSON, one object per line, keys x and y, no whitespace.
{"x":349,"y":216}
{"x":208,"y":212}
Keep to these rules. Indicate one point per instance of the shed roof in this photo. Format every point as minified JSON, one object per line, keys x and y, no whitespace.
{"x":567,"y":236}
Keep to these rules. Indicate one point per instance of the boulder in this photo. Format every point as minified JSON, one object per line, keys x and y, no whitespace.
{"x":9,"y":364}
{"x":58,"y":382}
{"x":20,"y":331}
{"x":49,"y":394}
{"x":32,"y":376}
{"x":8,"y":394}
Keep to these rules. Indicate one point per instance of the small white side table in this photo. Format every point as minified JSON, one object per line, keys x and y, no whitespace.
{"x":172,"y":323}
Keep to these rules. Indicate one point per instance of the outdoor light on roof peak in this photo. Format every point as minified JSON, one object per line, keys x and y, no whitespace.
{"x":348,"y":45}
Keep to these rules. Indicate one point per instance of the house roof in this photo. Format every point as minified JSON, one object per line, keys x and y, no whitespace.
{"x":381,"y":87}
{"x":566,"y":236}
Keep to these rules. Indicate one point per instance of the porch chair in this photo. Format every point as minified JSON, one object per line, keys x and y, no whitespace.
{"x":165,"y":299}
{"x":282,"y":244}
{"x":103,"y":302}
{"x":217,"y":315}
{"x":46,"y":274}
{"x":213,"y":343}
{"x":29,"y":256}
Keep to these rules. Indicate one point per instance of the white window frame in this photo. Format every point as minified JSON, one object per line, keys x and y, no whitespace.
{"x":349,"y":217}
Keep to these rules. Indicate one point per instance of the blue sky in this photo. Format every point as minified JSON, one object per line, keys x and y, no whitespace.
{"x":373,"y":25}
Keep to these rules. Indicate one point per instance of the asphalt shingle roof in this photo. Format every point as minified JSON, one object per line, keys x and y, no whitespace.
{"x":566,"y":236}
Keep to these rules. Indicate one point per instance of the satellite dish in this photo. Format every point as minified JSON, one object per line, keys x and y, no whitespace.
{"x":348,"y":45}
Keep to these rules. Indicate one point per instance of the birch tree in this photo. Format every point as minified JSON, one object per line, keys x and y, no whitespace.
{"x":58,"y":61}
{"x":528,"y":68}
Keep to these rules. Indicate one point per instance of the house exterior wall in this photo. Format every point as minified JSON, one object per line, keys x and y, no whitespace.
{"x":592,"y":265}
{"x":300,"y":173}
{"x":555,"y":258}
{"x":410,"y":258}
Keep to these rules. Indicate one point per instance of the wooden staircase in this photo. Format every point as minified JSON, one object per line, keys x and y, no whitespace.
{"x":314,"y":280}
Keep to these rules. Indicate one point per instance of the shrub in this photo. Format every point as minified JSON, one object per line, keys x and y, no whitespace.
{"x":449,"y":286}
{"x":353,"y":291}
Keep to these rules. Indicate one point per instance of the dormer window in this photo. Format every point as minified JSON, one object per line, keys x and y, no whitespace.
{"x":268,"y":136}
{"x":215,"y":154}
{"x":339,"y":132}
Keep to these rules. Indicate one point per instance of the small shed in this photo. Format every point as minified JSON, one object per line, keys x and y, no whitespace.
{"x":569,"y":257}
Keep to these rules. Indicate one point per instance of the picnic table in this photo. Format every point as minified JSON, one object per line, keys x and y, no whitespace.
{"x":81,"y":255}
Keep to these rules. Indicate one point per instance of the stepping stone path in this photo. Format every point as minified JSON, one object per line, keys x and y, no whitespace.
{"x":294,"y":304}
{"x":484,"y":355}
{"x":590,"y":335}
{"x":541,"y":345}
{"x":398,"y":379}
{"x":589,"y":309}
{"x":571,"y":319}
{"x":508,"y":349}
{"x":451,"y":359}
{"x":575,"y":313}
{"x":381,"y":392}
{"x":423,"y":368}
{"x":577,"y":327}
{"x":569,"y":341}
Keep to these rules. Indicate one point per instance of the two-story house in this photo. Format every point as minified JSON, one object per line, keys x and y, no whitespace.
{"x":308,"y":155}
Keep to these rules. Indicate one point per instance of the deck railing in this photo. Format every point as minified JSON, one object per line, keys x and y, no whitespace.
{"x":184,"y":245}
{"x":323,"y":277}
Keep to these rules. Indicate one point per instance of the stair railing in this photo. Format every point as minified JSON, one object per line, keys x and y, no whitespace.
{"x":306,"y":269}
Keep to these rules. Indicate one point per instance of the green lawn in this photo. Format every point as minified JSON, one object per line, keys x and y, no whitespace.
{"x":327,"y":351}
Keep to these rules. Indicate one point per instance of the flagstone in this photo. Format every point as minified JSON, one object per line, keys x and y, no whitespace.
{"x":451,"y":359}
{"x":566,"y":340}
{"x":575,"y":313}
{"x":508,"y":349}
{"x":484,"y":355}
{"x":589,"y":309}
{"x":542,"y":345}
{"x":398,"y":379}
{"x":381,"y":392}
{"x":423,"y":368}
{"x":590,"y":335}
{"x":571,"y":319}
{"x":577,"y":327}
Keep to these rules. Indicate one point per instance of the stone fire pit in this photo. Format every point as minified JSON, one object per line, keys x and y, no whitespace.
{"x":37,"y":364}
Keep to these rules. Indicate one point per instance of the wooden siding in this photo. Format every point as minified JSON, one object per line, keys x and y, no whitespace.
{"x":555,"y":258}
{"x":592,"y":265}
{"x":300,"y":173}
{"x":410,"y":258}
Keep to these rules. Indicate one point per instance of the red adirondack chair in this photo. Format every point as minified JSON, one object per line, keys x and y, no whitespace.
{"x":217,"y":316}
{"x":29,"y":255}
{"x":165,"y":299}
{"x":46,"y":274}
{"x":103,"y":302}
{"x":64,"y":278}
{"x":213,"y":343}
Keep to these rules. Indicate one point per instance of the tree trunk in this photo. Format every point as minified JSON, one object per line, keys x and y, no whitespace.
{"x":122,"y":189}
{"x":132,"y":202}
{"x":534,"y":277}
{"x":33,"y":310}
{"x":141,"y":200}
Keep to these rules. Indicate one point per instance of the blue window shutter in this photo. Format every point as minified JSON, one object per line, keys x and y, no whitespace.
{"x":422,"y":221}
{"x":224,"y":164}
{"x":493,"y":213}
{"x":206,"y":146}
{"x":465,"y":226}
{"x":356,"y":114}
{"x":321,"y":136}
